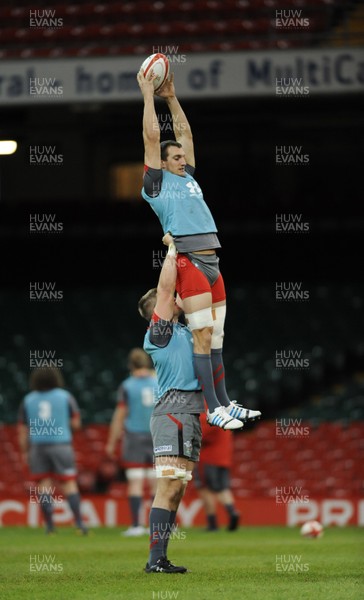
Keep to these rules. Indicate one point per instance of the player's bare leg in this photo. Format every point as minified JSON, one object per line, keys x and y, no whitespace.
{"x":135,"y":477}
{"x":209,"y":503}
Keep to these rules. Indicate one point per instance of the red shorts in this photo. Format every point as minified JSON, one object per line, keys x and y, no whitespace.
{"x":192,"y":282}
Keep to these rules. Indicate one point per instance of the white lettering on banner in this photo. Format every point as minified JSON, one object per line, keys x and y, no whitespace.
{"x":99,"y":512}
{"x":328,"y":512}
{"x":33,"y":514}
{"x":361,"y":512}
{"x":110,"y":513}
{"x":10,"y":506}
{"x":336,"y":512}
{"x":251,"y":73}
{"x":89,"y":513}
{"x":62,"y":512}
{"x":298,"y":513}
{"x":187,"y":513}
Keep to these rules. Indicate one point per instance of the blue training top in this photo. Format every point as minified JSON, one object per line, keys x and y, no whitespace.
{"x":174,"y":362}
{"x":140,"y":394}
{"x":180,"y":206}
{"x":47,"y":414}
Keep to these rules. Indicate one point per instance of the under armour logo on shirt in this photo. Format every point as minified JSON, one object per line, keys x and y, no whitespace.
{"x":194,"y":188}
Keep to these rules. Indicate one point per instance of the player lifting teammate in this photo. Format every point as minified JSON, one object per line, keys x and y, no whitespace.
{"x":175,"y":424}
{"x":176,"y":198}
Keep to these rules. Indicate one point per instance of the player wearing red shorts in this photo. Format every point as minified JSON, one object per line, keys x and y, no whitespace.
{"x":176,"y":198}
{"x":212,"y":475}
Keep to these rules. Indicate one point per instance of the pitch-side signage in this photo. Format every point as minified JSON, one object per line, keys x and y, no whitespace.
{"x":282,"y":74}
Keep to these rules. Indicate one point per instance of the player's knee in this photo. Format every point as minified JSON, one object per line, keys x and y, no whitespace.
{"x":176,"y":493}
{"x":217,"y":337}
{"x":202,"y":340}
{"x":135,"y":474}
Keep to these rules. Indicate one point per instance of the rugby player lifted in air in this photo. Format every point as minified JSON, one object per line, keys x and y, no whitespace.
{"x":176,"y":198}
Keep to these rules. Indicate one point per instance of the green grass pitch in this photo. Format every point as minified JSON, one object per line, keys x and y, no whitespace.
{"x":253,"y":563}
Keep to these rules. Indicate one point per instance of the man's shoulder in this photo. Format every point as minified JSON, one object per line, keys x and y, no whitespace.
{"x":125,"y":382}
{"x":59,"y":393}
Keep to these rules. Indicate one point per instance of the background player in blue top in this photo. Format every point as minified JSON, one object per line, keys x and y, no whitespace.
{"x":136,"y":399}
{"x":47,"y":416}
{"x":176,"y":198}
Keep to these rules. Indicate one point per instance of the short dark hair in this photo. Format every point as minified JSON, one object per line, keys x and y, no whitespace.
{"x":147,"y":303}
{"x":165,"y":145}
{"x":46,"y":378}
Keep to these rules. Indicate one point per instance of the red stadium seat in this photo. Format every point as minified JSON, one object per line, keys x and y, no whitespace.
{"x":122,"y":28}
{"x":117,"y":489}
{"x":328,"y":463}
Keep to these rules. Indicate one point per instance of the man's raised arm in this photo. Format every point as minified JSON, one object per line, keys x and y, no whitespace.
{"x":181,"y":126}
{"x":164,"y":307}
{"x":151,"y":133}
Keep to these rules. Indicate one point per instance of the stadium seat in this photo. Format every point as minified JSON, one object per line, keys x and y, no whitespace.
{"x":320,"y":469}
{"x":202,"y":25}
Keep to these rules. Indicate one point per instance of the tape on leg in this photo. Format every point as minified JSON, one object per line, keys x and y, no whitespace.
{"x":170,"y":471}
{"x":200,"y":319}
{"x":188,"y":476}
{"x":134,"y":474}
{"x":217,"y":337}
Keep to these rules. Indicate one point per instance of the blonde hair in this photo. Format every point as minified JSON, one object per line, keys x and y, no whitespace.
{"x":147,"y":303}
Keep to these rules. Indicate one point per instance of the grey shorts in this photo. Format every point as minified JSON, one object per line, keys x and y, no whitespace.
{"x":137,"y":450}
{"x":207,"y":263}
{"x":47,"y":460}
{"x":177,"y":434}
{"x":215,"y":479}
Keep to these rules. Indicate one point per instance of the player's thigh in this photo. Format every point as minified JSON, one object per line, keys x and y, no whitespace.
{"x":224,"y":478}
{"x":214,"y":478}
{"x":63,"y":461}
{"x":39,"y":461}
{"x":218,"y":292}
{"x":167,"y":438}
{"x":198,"y":302}
{"x":191,"y":284}
{"x":137,"y":450}
{"x":176,"y":435}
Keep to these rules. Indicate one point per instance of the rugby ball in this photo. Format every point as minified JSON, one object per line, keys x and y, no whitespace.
{"x":312,"y":529}
{"x":158,"y":64}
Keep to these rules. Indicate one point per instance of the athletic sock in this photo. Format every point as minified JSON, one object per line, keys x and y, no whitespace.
{"x":159,"y":525}
{"x":172,"y":518}
{"x":211,"y":522}
{"x":233,"y":517}
{"x":203,"y":370}
{"x":134,"y":505}
{"x":230,"y":509}
{"x":74,"y":500}
{"x":219,"y":376}
{"x":47,"y":510}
